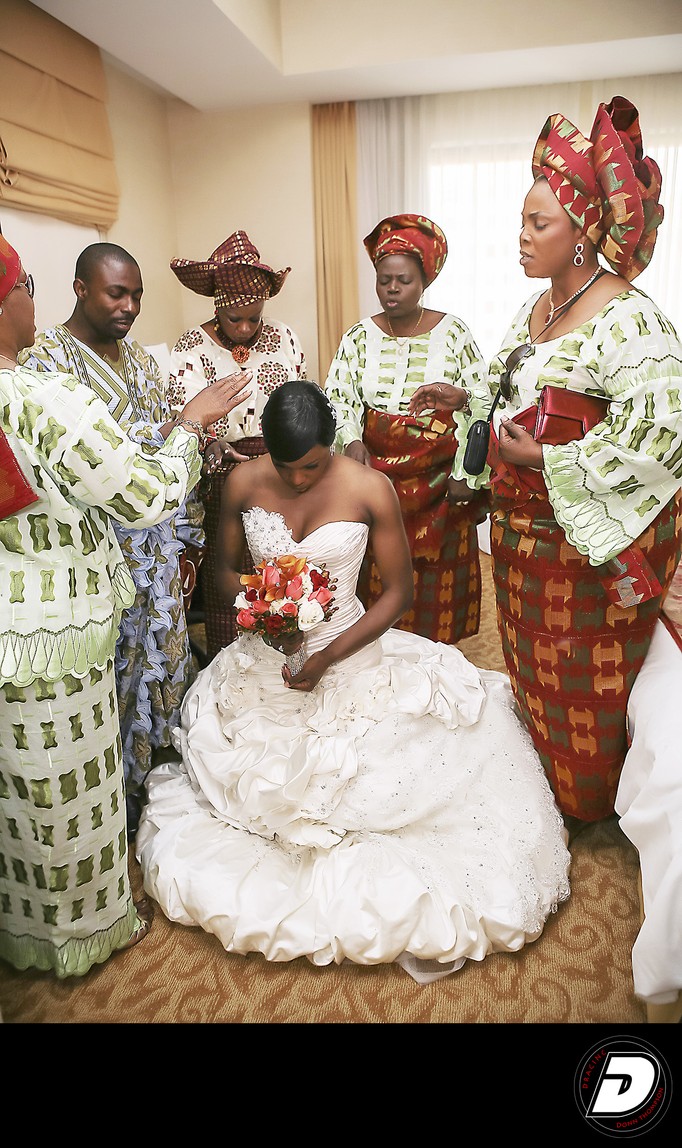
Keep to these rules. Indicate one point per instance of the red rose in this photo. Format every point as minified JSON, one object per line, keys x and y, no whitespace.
{"x":323,"y":596}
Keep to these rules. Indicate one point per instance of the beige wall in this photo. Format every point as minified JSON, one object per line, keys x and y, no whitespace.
{"x":452,"y":27}
{"x":249,"y":169}
{"x":146,"y":225}
{"x":188,"y":179}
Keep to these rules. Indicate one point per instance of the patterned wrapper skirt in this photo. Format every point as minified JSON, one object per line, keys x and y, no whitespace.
{"x":219,"y":616}
{"x":572,"y":656}
{"x":443,"y":539}
{"x":65,"y":898}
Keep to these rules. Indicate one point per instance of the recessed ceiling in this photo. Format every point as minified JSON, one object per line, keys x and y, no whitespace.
{"x":219,"y":54}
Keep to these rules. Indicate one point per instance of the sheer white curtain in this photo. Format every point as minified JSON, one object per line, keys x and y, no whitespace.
{"x":464,"y":159}
{"x":393,"y":175}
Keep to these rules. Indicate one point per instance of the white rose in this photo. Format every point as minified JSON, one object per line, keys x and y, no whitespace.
{"x":310,"y":614}
{"x":241,"y":602}
{"x":307,"y":584}
{"x":276,"y":605}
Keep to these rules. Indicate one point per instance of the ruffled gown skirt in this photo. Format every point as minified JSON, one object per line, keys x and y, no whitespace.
{"x":355,"y":822}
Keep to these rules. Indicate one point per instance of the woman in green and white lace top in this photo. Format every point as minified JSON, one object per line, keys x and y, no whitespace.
{"x":65,"y":898}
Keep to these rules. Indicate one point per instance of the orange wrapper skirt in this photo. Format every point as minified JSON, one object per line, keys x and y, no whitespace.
{"x":417,"y":457}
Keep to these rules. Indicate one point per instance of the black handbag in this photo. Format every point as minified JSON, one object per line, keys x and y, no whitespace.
{"x":478,"y":440}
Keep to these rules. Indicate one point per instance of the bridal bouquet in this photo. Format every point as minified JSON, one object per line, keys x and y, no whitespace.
{"x":285,"y":596}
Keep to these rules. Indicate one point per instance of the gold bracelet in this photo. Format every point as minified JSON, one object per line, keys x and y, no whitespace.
{"x":197,"y":427}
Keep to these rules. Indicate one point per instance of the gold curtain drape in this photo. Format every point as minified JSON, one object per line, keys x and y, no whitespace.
{"x":56,"y":150}
{"x":335,"y":197}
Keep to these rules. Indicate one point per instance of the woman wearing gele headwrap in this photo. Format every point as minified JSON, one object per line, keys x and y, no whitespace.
{"x":400,"y":381}
{"x":585,"y":530}
{"x":237,"y":337}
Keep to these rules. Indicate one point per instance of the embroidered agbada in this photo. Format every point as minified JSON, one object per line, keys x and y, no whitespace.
{"x":154,"y":665}
{"x":196,"y":362}
{"x":417,"y":457}
{"x":373,"y":372}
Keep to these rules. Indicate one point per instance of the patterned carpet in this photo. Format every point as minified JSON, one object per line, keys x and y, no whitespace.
{"x":579,"y":970}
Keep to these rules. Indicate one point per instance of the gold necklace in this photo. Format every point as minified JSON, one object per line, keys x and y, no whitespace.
{"x":560,"y":306}
{"x":403,"y":340}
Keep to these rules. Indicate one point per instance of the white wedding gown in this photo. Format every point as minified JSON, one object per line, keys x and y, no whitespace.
{"x":398,"y":811}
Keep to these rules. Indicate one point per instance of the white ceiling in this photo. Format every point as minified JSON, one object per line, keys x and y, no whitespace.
{"x":192,"y":50}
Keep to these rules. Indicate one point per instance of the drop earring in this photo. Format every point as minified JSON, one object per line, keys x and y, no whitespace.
{"x":579,"y":258}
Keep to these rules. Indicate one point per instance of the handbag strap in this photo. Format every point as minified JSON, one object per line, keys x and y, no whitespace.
{"x":571,"y":302}
{"x":496,"y":400}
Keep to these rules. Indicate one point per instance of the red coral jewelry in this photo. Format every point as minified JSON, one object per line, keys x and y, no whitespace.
{"x":240,"y":354}
{"x":240,"y":351}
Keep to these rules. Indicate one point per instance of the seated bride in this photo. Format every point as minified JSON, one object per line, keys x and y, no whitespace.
{"x":370,"y":796}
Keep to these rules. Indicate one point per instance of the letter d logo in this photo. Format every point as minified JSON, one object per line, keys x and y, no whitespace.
{"x":623,"y":1086}
{"x":626,"y":1084}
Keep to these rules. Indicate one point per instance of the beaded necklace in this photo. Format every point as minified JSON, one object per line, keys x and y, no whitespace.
{"x":240,"y":351}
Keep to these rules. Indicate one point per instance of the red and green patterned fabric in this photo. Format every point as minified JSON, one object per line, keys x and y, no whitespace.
{"x":408,"y":234}
{"x":572,"y":656}
{"x":606,"y":184}
{"x":417,"y":457}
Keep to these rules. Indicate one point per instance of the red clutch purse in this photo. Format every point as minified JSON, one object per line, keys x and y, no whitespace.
{"x":566,"y":415}
{"x":563,"y":416}
{"x":15,"y":491}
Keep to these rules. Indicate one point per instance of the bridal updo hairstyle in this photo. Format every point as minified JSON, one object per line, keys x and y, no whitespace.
{"x":297,"y":417}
